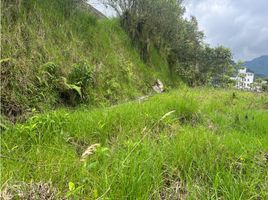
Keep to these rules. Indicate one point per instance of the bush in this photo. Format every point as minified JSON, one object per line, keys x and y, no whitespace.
{"x":52,"y":69}
{"x":71,"y":90}
{"x":81,"y":75}
{"x":50,"y":73}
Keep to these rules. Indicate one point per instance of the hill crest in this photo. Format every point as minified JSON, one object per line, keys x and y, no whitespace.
{"x":259,"y":65}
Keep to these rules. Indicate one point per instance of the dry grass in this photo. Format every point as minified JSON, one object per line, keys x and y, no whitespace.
{"x":89,"y":151}
{"x":32,"y":191}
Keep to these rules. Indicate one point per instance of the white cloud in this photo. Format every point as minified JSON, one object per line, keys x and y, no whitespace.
{"x":241,"y":25}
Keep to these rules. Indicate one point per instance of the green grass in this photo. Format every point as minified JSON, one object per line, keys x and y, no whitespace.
{"x":196,"y":143}
{"x":48,"y":31}
{"x":212,"y":146}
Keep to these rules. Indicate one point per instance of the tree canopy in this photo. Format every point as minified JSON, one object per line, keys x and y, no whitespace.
{"x":161,"y":23}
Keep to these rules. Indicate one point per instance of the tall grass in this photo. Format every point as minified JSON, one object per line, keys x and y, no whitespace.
{"x":193,"y":143}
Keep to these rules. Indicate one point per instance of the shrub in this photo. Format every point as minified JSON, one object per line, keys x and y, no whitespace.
{"x":70,"y":93}
{"x":51,"y":69}
{"x":81,"y":74}
{"x":50,"y":73}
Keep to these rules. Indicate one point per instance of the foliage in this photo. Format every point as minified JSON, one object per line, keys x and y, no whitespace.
{"x":48,"y":76}
{"x":81,"y":74}
{"x":200,"y":142}
{"x":161,"y":24}
{"x":51,"y":70}
{"x":149,"y":23}
{"x":69,"y":92}
{"x":265,"y":87}
{"x":44,"y":40}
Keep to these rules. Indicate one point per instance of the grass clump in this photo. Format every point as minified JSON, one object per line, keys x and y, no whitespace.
{"x":145,"y":150}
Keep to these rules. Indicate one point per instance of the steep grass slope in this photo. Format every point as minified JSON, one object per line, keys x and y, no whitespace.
{"x":191,"y":143}
{"x":46,"y":40}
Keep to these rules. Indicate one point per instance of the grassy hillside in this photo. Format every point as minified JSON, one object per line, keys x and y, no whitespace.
{"x":44,"y":42}
{"x":190,"y":143}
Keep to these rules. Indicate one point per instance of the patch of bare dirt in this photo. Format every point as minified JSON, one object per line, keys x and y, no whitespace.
{"x":262,"y":158}
{"x":31,"y":191}
{"x":173,"y":189}
{"x":78,"y":144}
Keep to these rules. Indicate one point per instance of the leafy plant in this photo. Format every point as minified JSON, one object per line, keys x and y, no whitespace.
{"x":80,"y":78}
{"x":51,"y":69}
{"x":72,"y":87}
{"x":81,"y":75}
{"x":73,"y":190}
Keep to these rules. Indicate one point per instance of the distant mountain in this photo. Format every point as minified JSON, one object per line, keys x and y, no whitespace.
{"x":258,"y":65}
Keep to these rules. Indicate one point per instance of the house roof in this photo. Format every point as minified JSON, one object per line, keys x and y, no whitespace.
{"x":245,"y":70}
{"x":234,"y":74}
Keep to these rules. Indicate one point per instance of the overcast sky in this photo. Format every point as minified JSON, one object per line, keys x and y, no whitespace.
{"x":241,"y":25}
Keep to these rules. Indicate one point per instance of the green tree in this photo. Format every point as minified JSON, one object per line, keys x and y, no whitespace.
{"x":161,"y":24}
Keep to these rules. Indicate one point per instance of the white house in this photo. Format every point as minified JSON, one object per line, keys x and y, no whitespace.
{"x":244,"y":79}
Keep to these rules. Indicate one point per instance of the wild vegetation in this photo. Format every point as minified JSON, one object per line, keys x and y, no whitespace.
{"x":56,"y":54}
{"x":191,"y":143}
{"x":101,"y":141}
{"x":161,"y":24}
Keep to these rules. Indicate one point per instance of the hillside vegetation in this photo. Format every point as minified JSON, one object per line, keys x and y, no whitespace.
{"x":71,"y":83}
{"x":190,"y":143}
{"x":55,"y":54}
